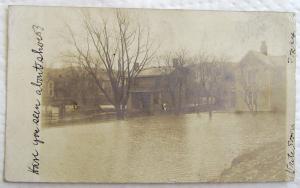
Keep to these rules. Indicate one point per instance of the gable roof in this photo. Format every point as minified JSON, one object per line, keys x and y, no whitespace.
{"x":258,"y":57}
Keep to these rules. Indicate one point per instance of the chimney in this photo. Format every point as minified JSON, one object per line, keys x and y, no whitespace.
{"x":264,"y":48}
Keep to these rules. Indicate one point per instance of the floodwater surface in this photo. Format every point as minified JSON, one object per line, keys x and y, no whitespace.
{"x":167,"y":148}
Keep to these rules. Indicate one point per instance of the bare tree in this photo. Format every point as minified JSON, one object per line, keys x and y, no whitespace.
{"x":209,"y":75}
{"x":121,"y":48}
{"x":176,"y":77}
{"x":166,"y":64}
{"x":180,"y":75}
{"x":250,"y":89}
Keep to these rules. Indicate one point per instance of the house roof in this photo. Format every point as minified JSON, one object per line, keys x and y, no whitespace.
{"x":73,"y":71}
{"x":254,"y":56}
{"x":156,"y":71}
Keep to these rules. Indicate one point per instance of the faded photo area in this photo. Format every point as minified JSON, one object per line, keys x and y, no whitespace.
{"x":135,"y":95}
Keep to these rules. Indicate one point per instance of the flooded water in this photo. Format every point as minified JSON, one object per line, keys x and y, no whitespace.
{"x":169,"y":148}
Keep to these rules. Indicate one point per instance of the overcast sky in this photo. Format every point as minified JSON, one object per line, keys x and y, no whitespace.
{"x":217,"y":33}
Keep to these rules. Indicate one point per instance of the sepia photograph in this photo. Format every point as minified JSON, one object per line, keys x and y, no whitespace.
{"x":150,"y":96}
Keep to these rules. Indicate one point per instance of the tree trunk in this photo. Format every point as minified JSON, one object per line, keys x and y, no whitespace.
{"x":180,"y":97}
{"x":173,"y":100}
{"x":209,"y":102}
{"x":119,"y":112}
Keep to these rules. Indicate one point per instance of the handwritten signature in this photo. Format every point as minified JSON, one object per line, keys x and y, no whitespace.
{"x":290,"y":167}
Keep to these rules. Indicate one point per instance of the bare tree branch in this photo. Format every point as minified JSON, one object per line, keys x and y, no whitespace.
{"x":122,"y":48}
